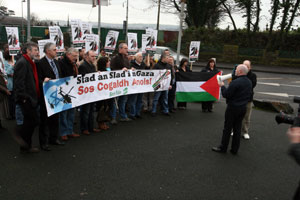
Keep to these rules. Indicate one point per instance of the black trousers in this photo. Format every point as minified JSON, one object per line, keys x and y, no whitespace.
{"x":233,"y":121}
{"x":297,"y":193}
{"x":30,"y":121}
{"x":171,"y":97}
{"x":207,"y":105}
{"x":49,"y":126}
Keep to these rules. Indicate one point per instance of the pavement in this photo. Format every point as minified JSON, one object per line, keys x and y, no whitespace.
{"x":257,"y":68}
{"x":155,"y":158}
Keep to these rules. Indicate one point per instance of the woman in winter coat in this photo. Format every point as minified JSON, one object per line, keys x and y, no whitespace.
{"x":207,"y":106}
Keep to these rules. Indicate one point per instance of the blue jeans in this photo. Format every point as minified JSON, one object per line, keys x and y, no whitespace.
{"x":164,"y":95}
{"x":87,"y":117}
{"x":135,"y":102}
{"x":66,"y":121}
{"x":122,"y":106}
{"x":113,"y":111}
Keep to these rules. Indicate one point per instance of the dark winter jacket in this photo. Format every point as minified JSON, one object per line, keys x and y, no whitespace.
{"x":66,"y":67}
{"x":135,"y":65}
{"x":86,"y":68}
{"x":24,"y":83}
{"x":238,"y":92}
{"x":119,"y":62}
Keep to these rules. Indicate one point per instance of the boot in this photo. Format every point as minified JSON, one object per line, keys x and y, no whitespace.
{"x":103,"y":126}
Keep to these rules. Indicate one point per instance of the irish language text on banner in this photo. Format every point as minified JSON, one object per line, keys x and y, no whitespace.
{"x":66,"y":93}
{"x":13,"y":40}
{"x":194,"y":50}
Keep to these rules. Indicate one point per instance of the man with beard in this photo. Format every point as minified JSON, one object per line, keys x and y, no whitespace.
{"x":27,"y":94}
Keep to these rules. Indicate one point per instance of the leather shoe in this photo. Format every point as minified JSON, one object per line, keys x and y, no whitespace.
{"x":45,"y":148}
{"x":95,"y":130}
{"x":74,"y":135}
{"x":218,"y":149}
{"x":57,"y":142}
{"x":64,"y":138}
{"x":85,"y":132}
{"x":233,"y":152}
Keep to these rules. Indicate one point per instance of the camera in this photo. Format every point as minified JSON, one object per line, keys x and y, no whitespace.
{"x":287,"y":119}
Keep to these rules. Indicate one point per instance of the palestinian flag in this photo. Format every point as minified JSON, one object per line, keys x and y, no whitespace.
{"x":197,"y":86}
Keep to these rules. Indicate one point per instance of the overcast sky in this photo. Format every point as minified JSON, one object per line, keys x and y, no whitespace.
{"x":140,"y":11}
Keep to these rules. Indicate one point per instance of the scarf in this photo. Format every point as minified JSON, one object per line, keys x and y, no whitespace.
{"x":33,"y":66}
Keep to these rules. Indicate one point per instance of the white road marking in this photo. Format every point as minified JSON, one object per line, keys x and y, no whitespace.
{"x":277,"y":84}
{"x":269,"y":78}
{"x":276,"y":94}
{"x":272,"y":84}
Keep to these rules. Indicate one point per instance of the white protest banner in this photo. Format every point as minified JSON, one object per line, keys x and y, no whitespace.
{"x":151,"y":40}
{"x":41,"y":44}
{"x":77,"y":34}
{"x":144,"y":42}
{"x":111,"y":41}
{"x":86,"y":29}
{"x":66,"y":93}
{"x":132,"y":43}
{"x":194,"y":51}
{"x":91,"y":43}
{"x":57,"y":37}
{"x":13,"y":40}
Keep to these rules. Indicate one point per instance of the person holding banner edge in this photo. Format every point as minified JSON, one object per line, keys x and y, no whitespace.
{"x":162,"y":64}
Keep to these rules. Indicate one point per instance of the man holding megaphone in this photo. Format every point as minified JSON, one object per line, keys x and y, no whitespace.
{"x":237,"y":95}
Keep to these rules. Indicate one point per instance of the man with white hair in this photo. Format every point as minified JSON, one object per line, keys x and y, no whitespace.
{"x":246,"y":120}
{"x":237,"y":96}
{"x":135,"y":101}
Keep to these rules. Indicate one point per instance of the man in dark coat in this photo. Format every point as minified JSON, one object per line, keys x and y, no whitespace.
{"x":237,"y":96}
{"x":135,"y":101}
{"x":66,"y":118}
{"x":120,"y":62}
{"x":27,"y":94}
{"x":48,"y":68}
{"x":87,"y":110}
{"x":162,"y":64}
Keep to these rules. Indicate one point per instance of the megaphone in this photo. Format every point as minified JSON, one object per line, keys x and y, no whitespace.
{"x":223,"y":77}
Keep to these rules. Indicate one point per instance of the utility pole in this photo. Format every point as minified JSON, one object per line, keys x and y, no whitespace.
{"x":22,"y":27}
{"x":180,"y":30}
{"x":99,"y":23}
{"x":158,"y":15}
{"x":126,"y":22}
{"x":28,"y":21}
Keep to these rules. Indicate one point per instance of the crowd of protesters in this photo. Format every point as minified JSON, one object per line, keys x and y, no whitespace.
{"x":21,"y":92}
